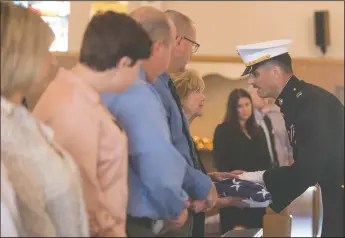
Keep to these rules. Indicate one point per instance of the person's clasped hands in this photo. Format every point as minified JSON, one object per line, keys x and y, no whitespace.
{"x":213,"y":200}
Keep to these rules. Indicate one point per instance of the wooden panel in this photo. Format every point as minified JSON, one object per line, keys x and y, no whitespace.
{"x":327,"y":73}
{"x":317,"y":212}
{"x":305,"y":213}
{"x":276,"y":225}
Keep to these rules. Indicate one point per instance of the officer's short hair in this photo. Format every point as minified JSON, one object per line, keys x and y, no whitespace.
{"x":283,"y":61}
{"x":182,"y":22}
{"x":154,"y":22}
{"x":110,"y":36}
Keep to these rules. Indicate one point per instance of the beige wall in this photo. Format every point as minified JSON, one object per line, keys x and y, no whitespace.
{"x":223,"y":25}
{"x":78,"y":20}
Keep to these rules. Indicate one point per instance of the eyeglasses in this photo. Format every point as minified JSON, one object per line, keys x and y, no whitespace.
{"x":195,"y":46}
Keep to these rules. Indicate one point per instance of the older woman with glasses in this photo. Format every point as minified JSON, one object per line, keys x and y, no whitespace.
{"x":47,"y":195}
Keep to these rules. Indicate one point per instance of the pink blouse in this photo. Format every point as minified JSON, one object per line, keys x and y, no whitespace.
{"x":87,"y":130}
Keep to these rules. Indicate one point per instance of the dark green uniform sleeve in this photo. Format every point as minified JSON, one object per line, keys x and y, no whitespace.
{"x":312,"y":146}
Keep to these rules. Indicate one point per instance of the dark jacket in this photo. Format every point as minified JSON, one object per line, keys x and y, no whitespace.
{"x":315,"y":123}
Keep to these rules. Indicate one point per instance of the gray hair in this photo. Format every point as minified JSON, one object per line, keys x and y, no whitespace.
{"x":154,"y":22}
{"x":182,"y":22}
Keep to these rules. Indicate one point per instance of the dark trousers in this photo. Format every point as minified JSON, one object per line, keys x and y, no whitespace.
{"x":333,"y":212}
{"x":139,"y":227}
{"x":198,"y":225}
{"x":247,"y":217}
{"x":142,"y":227}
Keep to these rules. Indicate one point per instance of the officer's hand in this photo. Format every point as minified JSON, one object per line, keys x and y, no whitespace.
{"x":218,"y":176}
{"x":255,"y":177}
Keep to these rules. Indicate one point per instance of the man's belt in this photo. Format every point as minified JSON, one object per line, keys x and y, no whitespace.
{"x":155,"y":225}
{"x":143,"y":221}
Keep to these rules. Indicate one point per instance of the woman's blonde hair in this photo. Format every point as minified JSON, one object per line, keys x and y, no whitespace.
{"x":25,"y":41}
{"x":187,"y":81}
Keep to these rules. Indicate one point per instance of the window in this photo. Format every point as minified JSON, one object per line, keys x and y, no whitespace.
{"x":56,"y":14}
{"x":116,"y":6}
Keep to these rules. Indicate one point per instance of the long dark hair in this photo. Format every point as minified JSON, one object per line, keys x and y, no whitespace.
{"x":231,"y":115}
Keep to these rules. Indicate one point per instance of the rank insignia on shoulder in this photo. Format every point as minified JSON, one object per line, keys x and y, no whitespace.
{"x":298,"y":94}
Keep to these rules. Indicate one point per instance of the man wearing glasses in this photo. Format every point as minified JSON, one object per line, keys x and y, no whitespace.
{"x":185,"y":46}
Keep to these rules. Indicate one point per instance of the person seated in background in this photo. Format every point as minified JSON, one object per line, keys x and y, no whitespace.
{"x":44,"y":177}
{"x":112,"y":47}
{"x":240,"y":144}
{"x":268,"y":116}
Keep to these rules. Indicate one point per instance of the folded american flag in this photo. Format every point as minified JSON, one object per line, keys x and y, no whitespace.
{"x":250,"y":191}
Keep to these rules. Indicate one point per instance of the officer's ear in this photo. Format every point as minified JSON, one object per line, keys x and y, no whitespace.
{"x":276,"y":71}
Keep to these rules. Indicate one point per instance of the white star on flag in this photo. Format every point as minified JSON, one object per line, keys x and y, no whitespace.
{"x":263,"y":192}
{"x":236,"y":184}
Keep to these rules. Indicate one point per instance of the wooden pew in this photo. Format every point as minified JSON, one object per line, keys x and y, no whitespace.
{"x":303,"y":217}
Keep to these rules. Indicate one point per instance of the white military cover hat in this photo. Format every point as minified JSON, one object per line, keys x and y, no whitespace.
{"x":254,"y":54}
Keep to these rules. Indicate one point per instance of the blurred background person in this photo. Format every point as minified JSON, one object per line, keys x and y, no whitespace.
{"x":240,"y":144}
{"x":44,"y":178}
{"x":112,"y":47}
{"x":266,"y":124}
{"x":269,"y":117}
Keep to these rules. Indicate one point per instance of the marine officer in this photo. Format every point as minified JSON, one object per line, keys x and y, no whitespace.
{"x":314,"y":120}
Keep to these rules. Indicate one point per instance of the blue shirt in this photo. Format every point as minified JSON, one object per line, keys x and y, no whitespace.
{"x":156,"y":170}
{"x":173,"y":116}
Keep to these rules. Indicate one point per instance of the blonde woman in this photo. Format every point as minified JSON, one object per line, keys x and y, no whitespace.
{"x":190,"y":86}
{"x":43,"y":176}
